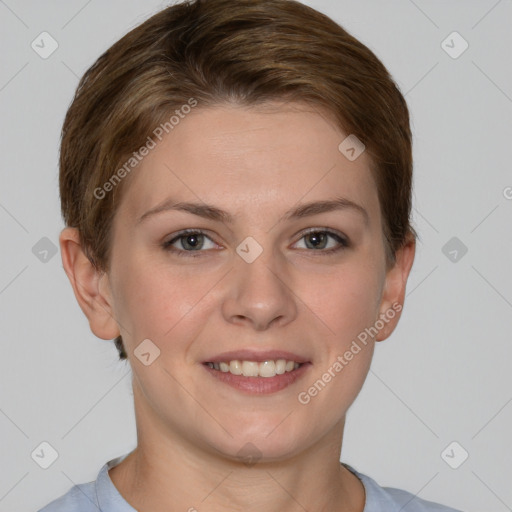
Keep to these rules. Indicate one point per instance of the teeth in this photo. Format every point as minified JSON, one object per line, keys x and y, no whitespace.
{"x":250,"y":369}
{"x":255,"y":369}
{"x":280,"y":366}
{"x":267,"y":369}
{"x":234,"y":367}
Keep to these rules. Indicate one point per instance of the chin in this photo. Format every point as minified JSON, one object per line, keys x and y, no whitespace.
{"x":260,"y":444}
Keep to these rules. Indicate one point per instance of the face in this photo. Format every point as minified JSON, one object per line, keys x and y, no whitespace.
{"x":266,"y":275}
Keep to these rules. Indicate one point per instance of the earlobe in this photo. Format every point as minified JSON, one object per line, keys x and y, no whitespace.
{"x":90,"y":285}
{"x":393,"y":296}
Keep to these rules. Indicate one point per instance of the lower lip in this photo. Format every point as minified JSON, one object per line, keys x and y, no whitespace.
{"x":259,"y":385}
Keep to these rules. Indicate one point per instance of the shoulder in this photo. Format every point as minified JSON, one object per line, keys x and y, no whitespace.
{"x":391,"y":499}
{"x":80,"y":498}
{"x":99,"y":495}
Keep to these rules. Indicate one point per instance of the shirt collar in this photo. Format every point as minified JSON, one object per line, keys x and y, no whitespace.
{"x":110,"y":499}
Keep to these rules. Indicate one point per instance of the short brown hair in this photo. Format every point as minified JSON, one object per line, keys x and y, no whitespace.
{"x":215,"y":51}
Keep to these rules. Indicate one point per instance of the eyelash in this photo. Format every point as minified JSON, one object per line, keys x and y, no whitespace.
{"x":167,"y":246}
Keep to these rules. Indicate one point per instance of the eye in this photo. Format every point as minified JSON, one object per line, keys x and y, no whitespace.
{"x":189,"y":241}
{"x":318,"y":240}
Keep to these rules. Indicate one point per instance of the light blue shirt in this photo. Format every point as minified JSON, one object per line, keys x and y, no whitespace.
{"x":102,"y":496}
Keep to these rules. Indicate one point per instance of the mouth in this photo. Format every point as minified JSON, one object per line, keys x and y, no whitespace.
{"x":257,"y":377}
{"x":265,"y":369}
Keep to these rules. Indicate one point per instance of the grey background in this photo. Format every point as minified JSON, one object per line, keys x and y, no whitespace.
{"x":443,"y":376}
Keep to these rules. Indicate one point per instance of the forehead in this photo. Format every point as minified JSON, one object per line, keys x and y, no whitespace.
{"x":265,"y":158}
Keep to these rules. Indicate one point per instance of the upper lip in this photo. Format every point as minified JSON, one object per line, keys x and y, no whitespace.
{"x":256,"y":355}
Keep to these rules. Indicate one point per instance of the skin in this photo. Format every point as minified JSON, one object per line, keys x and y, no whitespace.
{"x":255,"y":163}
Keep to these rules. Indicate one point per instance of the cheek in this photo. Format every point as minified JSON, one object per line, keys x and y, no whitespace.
{"x":155,"y":301}
{"x":347,"y":306}
{"x":345,"y":301}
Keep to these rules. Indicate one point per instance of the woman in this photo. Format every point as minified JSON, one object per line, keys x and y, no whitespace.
{"x":235,"y":180}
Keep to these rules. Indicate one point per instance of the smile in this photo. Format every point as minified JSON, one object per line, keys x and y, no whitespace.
{"x":257,"y":377}
{"x":255,"y":369}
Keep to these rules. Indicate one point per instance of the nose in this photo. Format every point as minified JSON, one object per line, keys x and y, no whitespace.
{"x":259,"y":293}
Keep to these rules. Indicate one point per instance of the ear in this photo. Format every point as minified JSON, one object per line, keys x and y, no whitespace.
{"x":393,"y":295}
{"x":91,"y":286}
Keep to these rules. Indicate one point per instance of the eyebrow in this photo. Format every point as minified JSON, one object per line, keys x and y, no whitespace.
{"x":216,"y":214}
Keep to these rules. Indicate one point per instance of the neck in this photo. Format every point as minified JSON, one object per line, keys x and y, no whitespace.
{"x":169,"y":472}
